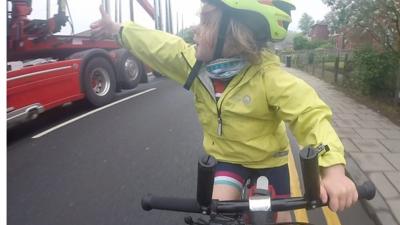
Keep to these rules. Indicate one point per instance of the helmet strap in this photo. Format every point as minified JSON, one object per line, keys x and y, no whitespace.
{"x":193,"y":74}
{"x":222,"y":29}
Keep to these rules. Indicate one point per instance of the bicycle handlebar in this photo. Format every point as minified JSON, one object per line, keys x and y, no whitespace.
{"x":149,"y":202}
{"x":189,"y":205}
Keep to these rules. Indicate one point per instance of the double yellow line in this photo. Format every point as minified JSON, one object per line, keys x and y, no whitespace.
{"x":331,"y":218}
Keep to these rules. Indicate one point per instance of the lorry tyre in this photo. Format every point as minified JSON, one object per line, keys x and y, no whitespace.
{"x":99,"y":81}
{"x":157,"y":74}
{"x":144,"y":78}
{"x":130,"y":70}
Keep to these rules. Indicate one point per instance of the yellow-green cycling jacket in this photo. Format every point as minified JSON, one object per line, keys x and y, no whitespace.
{"x":246,"y":125}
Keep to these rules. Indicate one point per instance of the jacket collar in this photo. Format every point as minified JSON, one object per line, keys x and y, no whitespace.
{"x":267,"y":59}
{"x":206,"y":81}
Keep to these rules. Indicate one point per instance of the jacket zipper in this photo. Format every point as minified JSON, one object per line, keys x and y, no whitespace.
{"x":219,"y":109}
{"x":219,"y":119}
{"x":219,"y":128}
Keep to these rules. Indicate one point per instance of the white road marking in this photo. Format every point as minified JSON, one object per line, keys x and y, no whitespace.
{"x":91,"y":112}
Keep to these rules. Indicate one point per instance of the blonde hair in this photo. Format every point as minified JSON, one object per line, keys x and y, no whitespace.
{"x":239,"y":38}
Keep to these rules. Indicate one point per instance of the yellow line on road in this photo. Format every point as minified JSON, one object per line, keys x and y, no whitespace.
{"x":300,"y":214}
{"x":331,"y":218}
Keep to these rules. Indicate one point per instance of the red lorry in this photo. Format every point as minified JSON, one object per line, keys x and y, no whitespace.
{"x":45,"y":70}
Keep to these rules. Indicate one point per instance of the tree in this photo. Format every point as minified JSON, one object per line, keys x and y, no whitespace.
{"x":300,"y":42}
{"x":305,"y":23}
{"x":382,"y":22}
{"x":378,"y":18}
{"x":287,"y":43}
{"x":187,"y":34}
{"x":336,"y":21}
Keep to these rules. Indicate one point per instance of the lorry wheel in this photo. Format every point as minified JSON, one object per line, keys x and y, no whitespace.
{"x":144,"y":78}
{"x":157,"y":74}
{"x":99,"y":81}
{"x":131,"y":70}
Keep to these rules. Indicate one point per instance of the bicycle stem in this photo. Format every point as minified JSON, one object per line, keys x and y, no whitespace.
{"x":310,"y":170}
{"x":205,"y":179}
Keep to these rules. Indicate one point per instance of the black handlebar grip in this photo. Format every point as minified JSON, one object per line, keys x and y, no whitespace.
{"x":366,"y":191}
{"x":150,"y":202}
{"x":205,"y":179}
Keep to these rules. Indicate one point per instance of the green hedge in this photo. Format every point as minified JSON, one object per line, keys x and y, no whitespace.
{"x":374,"y":73}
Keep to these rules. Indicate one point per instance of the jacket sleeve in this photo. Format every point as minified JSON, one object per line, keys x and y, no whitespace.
{"x":167,"y":54}
{"x":308,"y":117}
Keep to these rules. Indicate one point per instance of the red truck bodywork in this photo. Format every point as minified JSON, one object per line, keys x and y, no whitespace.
{"x":71,"y":66}
{"x":48,"y":85}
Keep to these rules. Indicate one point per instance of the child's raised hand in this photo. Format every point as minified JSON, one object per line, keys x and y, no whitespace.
{"x":105,"y":26}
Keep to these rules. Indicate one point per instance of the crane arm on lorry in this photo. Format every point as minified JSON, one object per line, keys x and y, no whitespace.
{"x":148,"y":7}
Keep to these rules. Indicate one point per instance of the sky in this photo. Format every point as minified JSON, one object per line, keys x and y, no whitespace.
{"x":86,"y":12}
{"x":315,"y":8}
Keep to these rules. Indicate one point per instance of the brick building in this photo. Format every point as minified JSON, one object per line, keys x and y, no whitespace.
{"x":352,"y":39}
{"x":319,"y":31}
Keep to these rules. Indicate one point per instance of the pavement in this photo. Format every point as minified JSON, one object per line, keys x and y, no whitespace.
{"x":372,"y":148}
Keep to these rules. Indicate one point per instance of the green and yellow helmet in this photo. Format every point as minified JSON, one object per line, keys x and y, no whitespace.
{"x":287,"y":6}
{"x":269,"y":19}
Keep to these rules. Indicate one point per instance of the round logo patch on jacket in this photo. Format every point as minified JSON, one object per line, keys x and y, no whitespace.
{"x":246,"y":100}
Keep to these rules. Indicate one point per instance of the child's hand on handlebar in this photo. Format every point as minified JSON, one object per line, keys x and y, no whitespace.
{"x":336,"y":186}
{"x":105,"y":26}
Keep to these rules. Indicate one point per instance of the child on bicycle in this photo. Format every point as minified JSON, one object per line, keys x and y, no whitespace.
{"x":242,"y":96}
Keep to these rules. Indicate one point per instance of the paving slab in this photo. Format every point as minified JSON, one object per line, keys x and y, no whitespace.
{"x":386,"y":218}
{"x":349,"y":146}
{"x":395,"y":207}
{"x":370,"y":162}
{"x":386,"y":123}
{"x":390,"y":133}
{"x":378,"y":203}
{"x":346,"y":132}
{"x":369,"y":133}
{"x":392,"y":145}
{"x":348,"y":116}
{"x":394,"y":159}
{"x":365,"y":117}
{"x":369,"y":145}
{"x":372,"y":124}
{"x":394,"y":178}
{"x":383,"y":185}
{"x":347,"y":123}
